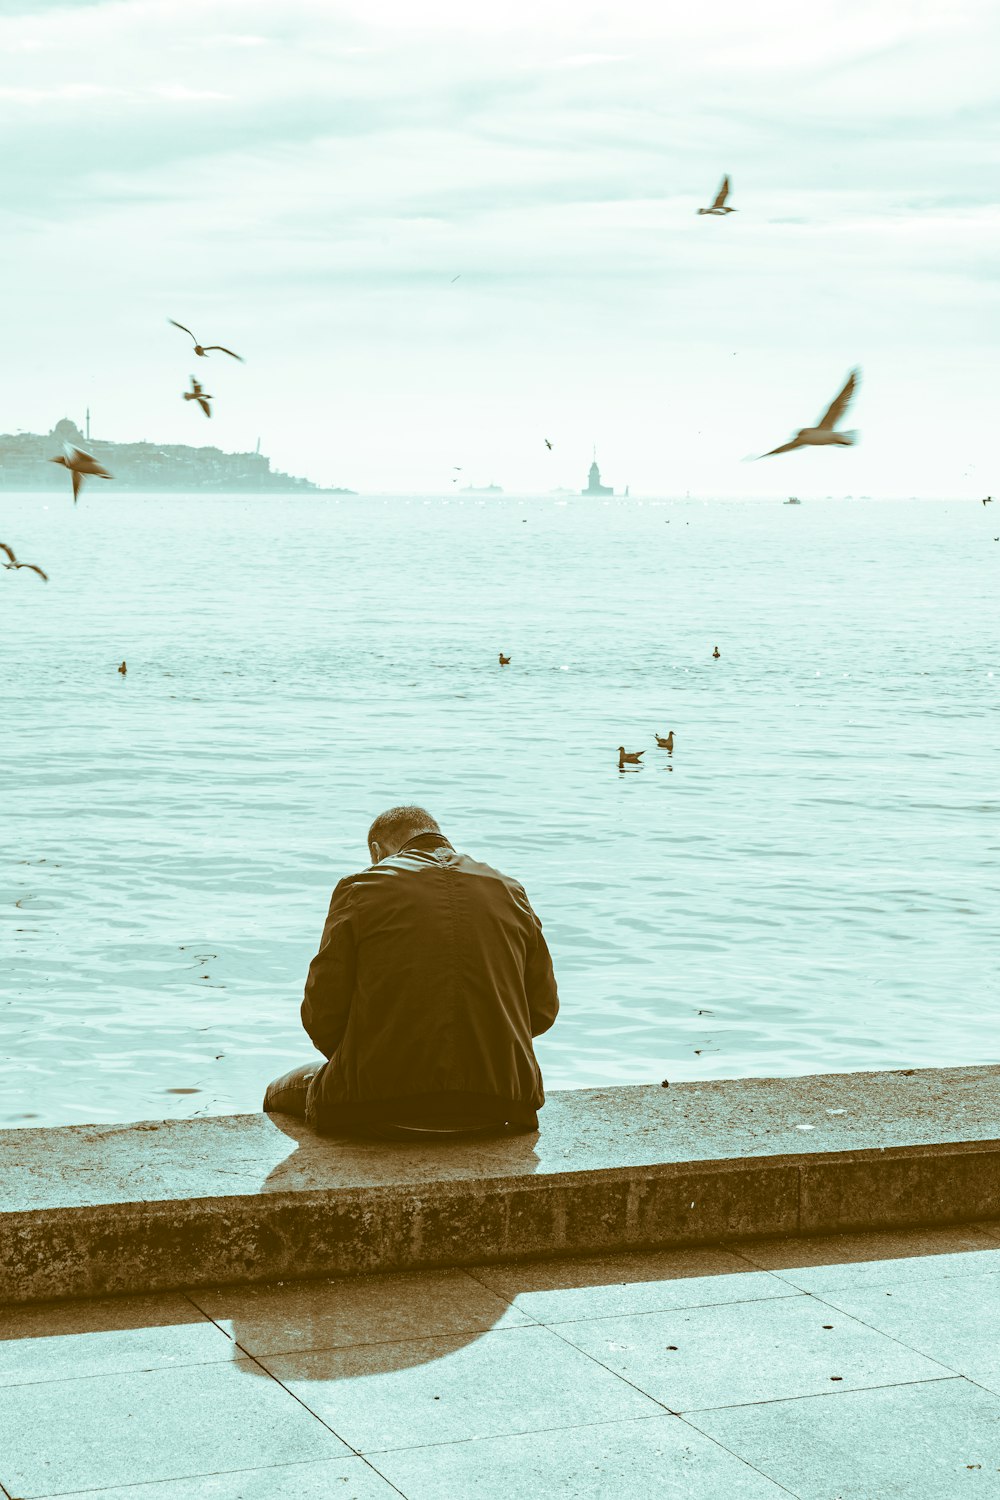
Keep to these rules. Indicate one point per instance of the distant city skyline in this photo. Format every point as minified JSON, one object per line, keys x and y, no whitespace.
{"x":442,"y":234}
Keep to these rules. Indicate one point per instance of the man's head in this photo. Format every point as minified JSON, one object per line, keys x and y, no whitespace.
{"x":395,"y":827}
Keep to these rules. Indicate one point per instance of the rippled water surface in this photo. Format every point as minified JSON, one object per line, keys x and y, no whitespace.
{"x":808,"y":884}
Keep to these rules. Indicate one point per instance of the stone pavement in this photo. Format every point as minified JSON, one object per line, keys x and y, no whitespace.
{"x":862,"y":1367}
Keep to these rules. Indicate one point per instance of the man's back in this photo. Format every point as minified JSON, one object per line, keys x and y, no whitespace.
{"x":432,"y":978}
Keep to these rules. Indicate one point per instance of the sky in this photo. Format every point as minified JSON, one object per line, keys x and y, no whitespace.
{"x":304,"y":180}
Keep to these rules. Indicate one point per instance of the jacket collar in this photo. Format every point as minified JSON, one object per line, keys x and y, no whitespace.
{"x":426,"y":841}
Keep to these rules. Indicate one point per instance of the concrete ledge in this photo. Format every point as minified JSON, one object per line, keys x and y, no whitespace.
{"x":87,"y":1210}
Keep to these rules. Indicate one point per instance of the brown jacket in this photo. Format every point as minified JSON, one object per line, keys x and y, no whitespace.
{"x":431,"y":980}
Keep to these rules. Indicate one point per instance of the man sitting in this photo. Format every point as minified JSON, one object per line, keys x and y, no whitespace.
{"x":431,"y":980}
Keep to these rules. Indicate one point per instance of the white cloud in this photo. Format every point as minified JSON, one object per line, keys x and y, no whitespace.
{"x":305,"y":181}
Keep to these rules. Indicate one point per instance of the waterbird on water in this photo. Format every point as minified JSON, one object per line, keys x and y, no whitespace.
{"x":123,"y":669}
{"x":666,"y":744}
{"x":719,"y":206}
{"x":13,"y":563}
{"x":628,"y":757}
{"x":79,"y":464}
{"x":716,"y":653}
{"x":504,"y":660}
{"x":199,"y":394}
{"x":823,"y":432}
{"x":204,"y":349}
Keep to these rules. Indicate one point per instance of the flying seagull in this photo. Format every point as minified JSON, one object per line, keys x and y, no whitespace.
{"x":548,"y":445}
{"x":988,"y":500}
{"x":79,"y":464}
{"x":823,"y":432}
{"x":13,"y":563}
{"x":719,"y":206}
{"x":456,"y":278}
{"x":199,"y":394}
{"x":205,"y":349}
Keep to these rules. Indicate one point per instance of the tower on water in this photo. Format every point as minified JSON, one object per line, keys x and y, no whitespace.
{"x":594,"y":485}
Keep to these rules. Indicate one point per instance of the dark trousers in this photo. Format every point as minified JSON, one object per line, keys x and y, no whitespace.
{"x":289,"y":1095}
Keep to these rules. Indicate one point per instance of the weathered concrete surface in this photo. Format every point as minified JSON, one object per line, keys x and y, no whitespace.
{"x":163,"y":1204}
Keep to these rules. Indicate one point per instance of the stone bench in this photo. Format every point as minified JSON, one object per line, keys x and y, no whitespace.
{"x":87,"y":1210}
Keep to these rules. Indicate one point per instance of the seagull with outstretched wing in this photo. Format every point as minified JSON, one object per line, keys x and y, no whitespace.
{"x":824,"y":433}
{"x":13,"y":563}
{"x":79,"y":463}
{"x":719,"y":207}
{"x":199,"y":394}
{"x":205,"y":349}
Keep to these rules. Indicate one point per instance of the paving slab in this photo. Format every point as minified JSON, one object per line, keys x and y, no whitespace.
{"x":89,"y":1210}
{"x":955,"y":1320}
{"x":939,"y":1440}
{"x":104,"y":1336}
{"x":108,"y":1430}
{"x":445,"y":1390}
{"x":336,"y":1479}
{"x":823,"y":1262}
{"x":336,"y":1313}
{"x":554,"y":1291}
{"x":694,"y":1358}
{"x":653,"y":1458}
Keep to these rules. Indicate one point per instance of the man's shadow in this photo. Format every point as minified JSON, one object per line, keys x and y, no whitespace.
{"x":315,"y":1162}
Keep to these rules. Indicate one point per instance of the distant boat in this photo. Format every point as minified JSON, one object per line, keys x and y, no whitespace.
{"x":793,"y":500}
{"x":482,"y":489}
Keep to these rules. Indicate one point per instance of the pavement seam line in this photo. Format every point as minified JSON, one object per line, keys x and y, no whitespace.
{"x":901,"y":1342}
{"x":140,"y":1484}
{"x":854,"y":1390}
{"x":726,"y":1449}
{"x":498,"y":1437}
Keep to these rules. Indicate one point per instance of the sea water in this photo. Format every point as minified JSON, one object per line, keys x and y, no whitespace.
{"x":807,"y":884}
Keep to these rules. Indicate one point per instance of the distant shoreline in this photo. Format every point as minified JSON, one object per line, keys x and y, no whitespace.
{"x":180,"y":489}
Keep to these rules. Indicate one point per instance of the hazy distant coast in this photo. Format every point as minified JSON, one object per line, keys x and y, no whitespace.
{"x":145,"y":467}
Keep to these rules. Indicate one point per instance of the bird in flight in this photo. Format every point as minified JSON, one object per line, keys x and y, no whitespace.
{"x":548,"y":445}
{"x":13,"y":563}
{"x":79,"y":463}
{"x":824,"y":433}
{"x":205,"y":349}
{"x":199,"y":394}
{"x":456,"y":278}
{"x":988,"y":500}
{"x":719,"y":206}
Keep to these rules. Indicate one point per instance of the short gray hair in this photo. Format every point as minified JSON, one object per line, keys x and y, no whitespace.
{"x":397,"y":825}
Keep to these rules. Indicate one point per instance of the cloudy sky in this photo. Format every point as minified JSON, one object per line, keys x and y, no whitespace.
{"x":304,"y":179}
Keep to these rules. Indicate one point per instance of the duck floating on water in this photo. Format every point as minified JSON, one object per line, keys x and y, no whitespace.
{"x":629,"y":757}
{"x":123,"y":669}
{"x":504,"y":660}
{"x":666,"y":744}
{"x":716,"y":653}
